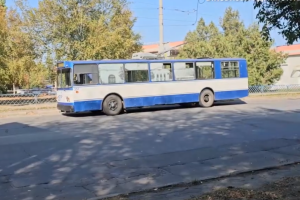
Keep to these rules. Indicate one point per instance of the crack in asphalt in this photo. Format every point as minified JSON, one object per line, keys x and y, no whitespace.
{"x":91,"y":191}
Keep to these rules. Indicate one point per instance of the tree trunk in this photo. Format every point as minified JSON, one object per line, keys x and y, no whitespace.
{"x":14,"y":89}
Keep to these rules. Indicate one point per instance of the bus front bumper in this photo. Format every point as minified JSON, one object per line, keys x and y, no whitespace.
{"x":65,"y":107}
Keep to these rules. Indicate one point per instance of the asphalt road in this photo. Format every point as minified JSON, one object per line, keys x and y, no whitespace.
{"x":70,"y":148}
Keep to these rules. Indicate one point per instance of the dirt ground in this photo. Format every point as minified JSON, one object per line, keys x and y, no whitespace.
{"x":5,"y":108}
{"x":285,"y":189}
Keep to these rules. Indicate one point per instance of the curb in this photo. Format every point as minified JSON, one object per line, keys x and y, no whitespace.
{"x":198,"y":182}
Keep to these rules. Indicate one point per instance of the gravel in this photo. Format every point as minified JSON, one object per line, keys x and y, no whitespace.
{"x":285,"y":189}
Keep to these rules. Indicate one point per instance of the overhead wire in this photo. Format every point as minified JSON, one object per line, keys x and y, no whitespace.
{"x":177,"y":10}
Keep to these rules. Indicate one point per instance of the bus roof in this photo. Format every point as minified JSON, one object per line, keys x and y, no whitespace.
{"x":146,"y":61}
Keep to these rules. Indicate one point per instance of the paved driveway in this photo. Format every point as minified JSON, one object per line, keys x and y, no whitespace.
{"x":83,"y":156}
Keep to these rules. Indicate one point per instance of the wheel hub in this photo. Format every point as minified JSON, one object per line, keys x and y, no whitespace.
{"x":206,"y":98}
{"x":113,"y":105}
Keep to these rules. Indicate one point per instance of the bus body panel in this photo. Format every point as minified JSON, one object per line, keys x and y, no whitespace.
{"x":81,"y":98}
{"x":155,"y":93}
{"x":65,"y":96}
{"x":65,"y":100}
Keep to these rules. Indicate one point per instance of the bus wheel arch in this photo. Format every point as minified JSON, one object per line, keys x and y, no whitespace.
{"x":206,"y":97}
{"x":112,"y":104}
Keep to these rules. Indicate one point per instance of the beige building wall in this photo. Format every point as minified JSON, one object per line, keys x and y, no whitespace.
{"x":291,"y":71}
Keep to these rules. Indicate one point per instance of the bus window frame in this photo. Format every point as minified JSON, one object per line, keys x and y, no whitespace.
{"x":87,"y":84}
{"x":60,"y":69}
{"x":117,"y":63}
{"x":213,"y":70}
{"x":229,"y":70}
{"x":174,"y":75}
{"x":148,"y":69}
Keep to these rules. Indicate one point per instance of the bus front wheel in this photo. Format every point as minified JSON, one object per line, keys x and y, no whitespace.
{"x":206,"y":98}
{"x":112,"y":105}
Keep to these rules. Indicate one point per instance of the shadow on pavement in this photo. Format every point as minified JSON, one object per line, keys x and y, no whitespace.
{"x":99,"y":156}
{"x":159,"y":108}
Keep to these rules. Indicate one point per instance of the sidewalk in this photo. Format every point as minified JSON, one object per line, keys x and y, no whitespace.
{"x":95,"y":179}
{"x":276,"y":184}
{"x":145,"y":173}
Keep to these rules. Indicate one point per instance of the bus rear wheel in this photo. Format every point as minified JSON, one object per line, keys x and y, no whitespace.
{"x":112,"y":105}
{"x":206,"y":98}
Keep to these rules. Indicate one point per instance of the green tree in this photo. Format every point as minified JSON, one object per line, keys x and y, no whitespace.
{"x":283,"y":15}
{"x":21,"y":69}
{"x":3,"y":34}
{"x":50,"y":69}
{"x":235,"y":40}
{"x":81,"y":30}
{"x":18,"y":65}
{"x":3,"y":38}
{"x":2,"y":3}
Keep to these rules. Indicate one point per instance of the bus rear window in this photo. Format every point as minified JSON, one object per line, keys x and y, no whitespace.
{"x":64,"y":78}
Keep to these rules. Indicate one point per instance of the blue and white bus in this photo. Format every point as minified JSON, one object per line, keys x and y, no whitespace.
{"x":112,"y":86}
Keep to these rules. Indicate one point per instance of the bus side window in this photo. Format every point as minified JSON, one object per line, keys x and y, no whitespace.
{"x":184,"y":71}
{"x":136,"y":72}
{"x":163,"y":71}
{"x":204,"y":70}
{"x":111,"y":73}
{"x":85,"y":74}
{"x":230,"y":69}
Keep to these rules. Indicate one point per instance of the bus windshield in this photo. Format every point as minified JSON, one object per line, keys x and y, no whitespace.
{"x":64,"y":78}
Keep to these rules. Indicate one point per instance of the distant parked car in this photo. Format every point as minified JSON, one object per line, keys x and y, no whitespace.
{"x":20,"y":92}
{"x":36,"y":92}
{"x":51,"y":93}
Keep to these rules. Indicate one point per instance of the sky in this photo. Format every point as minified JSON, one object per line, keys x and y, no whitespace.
{"x":180,"y":17}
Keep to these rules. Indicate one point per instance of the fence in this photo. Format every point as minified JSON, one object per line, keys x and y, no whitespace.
{"x":38,"y":99}
{"x":26,"y":99}
{"x":274,"y":89}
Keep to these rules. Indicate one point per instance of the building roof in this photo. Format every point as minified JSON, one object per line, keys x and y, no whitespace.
{"x":291,"y":50}
{"x":155,"y":47}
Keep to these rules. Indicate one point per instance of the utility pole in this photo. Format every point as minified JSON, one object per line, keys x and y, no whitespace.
{"x":161,"y":27}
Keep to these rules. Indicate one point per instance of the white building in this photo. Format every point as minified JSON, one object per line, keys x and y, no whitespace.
{"x":291,"y":67}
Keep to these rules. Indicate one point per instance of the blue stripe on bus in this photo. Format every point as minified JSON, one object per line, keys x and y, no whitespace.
{"x":65,"y":104}
{"x":156,"y":100}
{"x":234,"y":94}
{"x":181,"y":98}
{"x":80,"y":106}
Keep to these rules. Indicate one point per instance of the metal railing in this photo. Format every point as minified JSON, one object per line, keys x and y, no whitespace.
{"x":274,"y":89}
{"x":43,"y":98}
{"x":26,"y":99}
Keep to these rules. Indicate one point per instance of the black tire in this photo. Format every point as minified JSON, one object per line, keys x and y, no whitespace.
{"x":206,"y":98}
{"x":187,"y":105}
{"x":96,"y":112}
{"x":112,"y":105}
